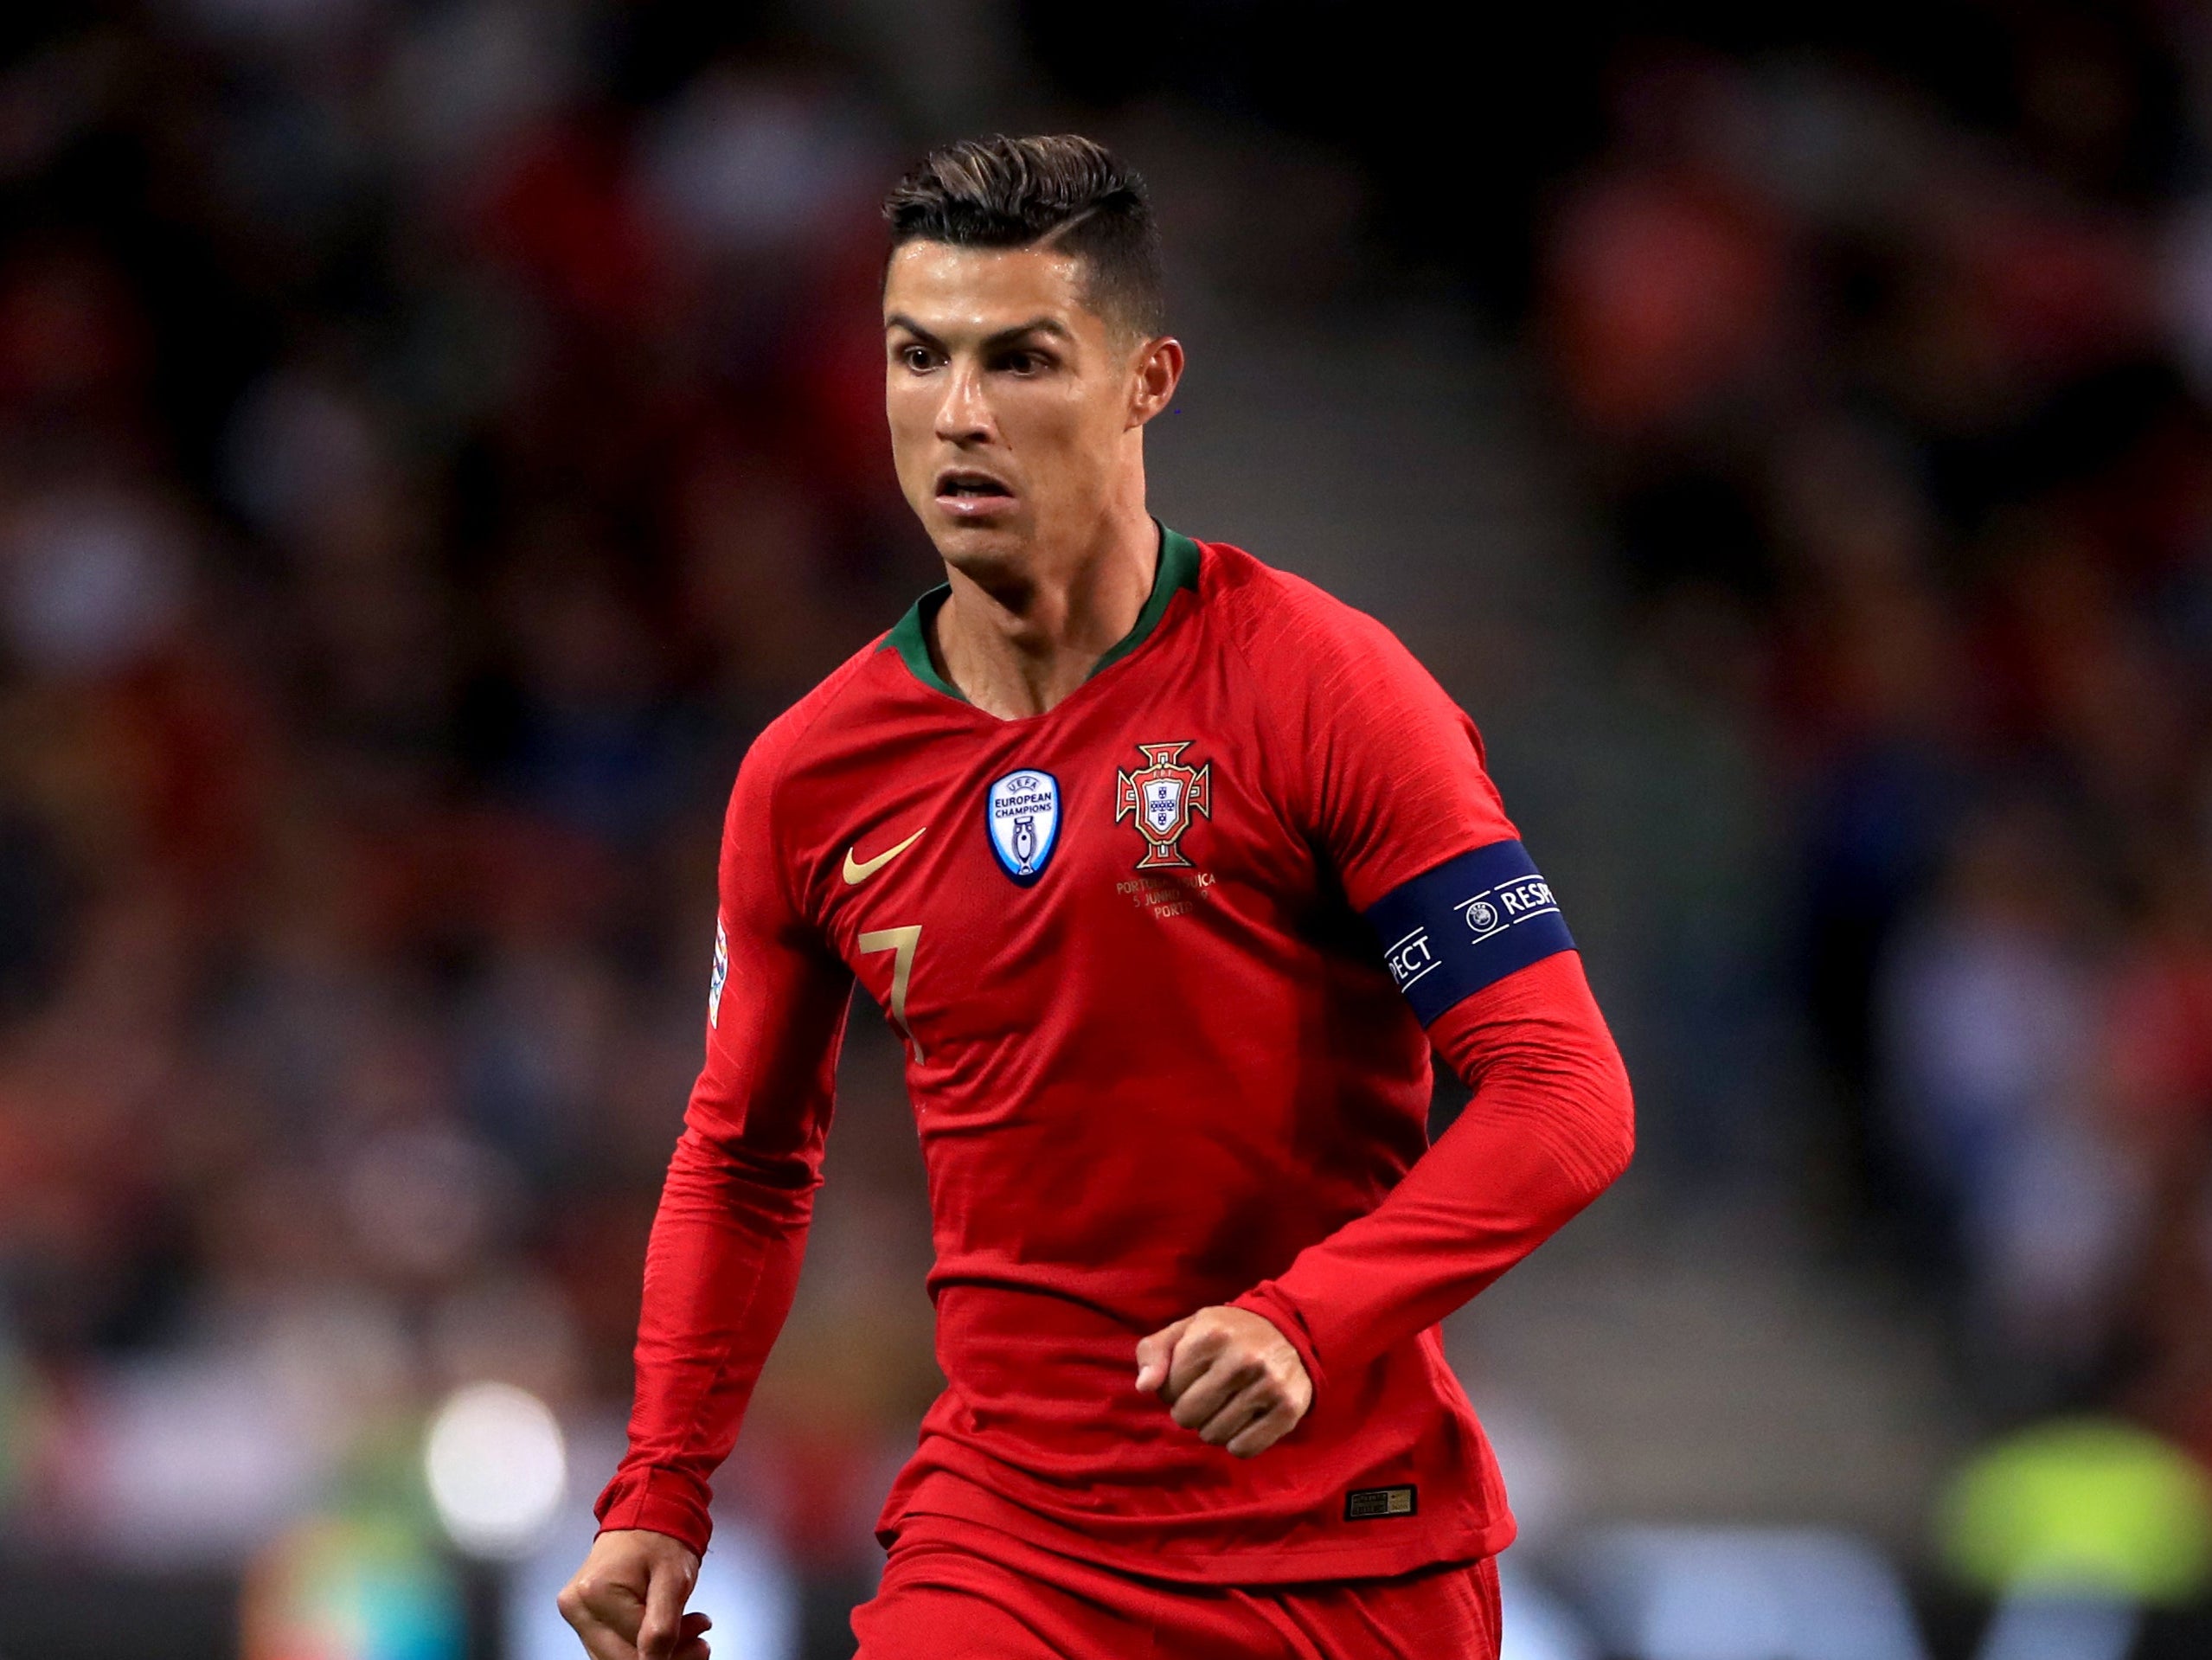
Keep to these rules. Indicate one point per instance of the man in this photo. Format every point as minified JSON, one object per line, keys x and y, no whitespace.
{"x":1130,"y":836}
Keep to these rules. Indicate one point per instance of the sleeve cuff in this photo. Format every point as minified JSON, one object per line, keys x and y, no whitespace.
{"x":660,"y":1501}
{"x":1267,"y":1301}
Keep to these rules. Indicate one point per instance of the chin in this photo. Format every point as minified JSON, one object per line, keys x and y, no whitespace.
{"x":973,"y":549}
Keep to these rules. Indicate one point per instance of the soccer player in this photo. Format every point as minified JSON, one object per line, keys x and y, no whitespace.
{"x":1169,"y":871}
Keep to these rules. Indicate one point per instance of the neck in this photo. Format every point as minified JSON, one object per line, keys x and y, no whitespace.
{"x":1016,"y":643}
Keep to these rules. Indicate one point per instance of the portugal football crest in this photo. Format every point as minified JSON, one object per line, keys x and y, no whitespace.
{"x":1162,"y":797}
{"x":1022,"y":813}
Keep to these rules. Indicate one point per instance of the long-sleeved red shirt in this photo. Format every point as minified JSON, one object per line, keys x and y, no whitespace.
{"x":1162,"y":958}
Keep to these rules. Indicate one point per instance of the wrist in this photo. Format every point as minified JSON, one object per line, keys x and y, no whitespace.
{"x":656,"y":1501}
{"x":1269,"y":1301}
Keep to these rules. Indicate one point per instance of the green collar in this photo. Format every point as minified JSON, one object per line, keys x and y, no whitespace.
{"x":1177,"y":568}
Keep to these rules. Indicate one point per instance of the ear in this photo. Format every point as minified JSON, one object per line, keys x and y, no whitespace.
{"x":1158,"y":371}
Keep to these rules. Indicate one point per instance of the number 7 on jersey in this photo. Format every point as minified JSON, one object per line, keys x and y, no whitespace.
{"x":900,"y":942}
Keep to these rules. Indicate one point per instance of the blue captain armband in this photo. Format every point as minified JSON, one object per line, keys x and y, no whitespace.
{"x":1467,"y":924}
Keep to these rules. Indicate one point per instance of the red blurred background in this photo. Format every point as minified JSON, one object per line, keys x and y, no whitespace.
{"x":435,"y":436}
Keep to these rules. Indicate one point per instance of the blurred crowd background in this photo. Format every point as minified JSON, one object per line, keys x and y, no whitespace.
{"x":436,"y":434}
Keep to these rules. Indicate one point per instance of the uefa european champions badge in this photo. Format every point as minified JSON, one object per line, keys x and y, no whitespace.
{"x":721,"y":973}
{"x":1022,"y":814}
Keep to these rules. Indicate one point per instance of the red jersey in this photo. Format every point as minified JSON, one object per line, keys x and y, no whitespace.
{"x":1146,"y":951}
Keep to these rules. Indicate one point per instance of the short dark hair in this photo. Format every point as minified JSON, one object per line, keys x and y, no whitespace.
{"x":1062,"y":191}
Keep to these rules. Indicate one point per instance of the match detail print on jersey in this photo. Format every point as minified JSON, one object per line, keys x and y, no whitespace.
{"x":1467,"y":924}
{"x":1163,"y":795}
{"x":1021,"y":813}
{"x":859,"y":870}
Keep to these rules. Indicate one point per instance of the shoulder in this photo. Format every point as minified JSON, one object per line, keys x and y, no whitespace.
{"x":785,"y":740}
{"x":1292,"y":630}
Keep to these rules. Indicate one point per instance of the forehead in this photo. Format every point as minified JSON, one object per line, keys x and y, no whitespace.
{"x":952,"y":291}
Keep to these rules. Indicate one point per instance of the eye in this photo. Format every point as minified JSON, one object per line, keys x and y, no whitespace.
{"x":915,"y":358}
{"x":1022,"y":362}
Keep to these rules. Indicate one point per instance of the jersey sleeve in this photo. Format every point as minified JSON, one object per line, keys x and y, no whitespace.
{"x":723,"y":1259}
{"x":1393,"y":790}
{"x":1390,"y":785}
{"x":1550,"y":1125}
{"x":1388,"y":775}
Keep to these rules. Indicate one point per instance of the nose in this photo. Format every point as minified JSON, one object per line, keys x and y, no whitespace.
{"x":963,"y":414}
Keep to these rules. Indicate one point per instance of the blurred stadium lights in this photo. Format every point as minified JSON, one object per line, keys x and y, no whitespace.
{"x":497,"y":1468}
{"x":2082,"y":1508}
{"x":1538,"y":1625}
{"x":2077,"y":1527}
{"x":2038,"y":1625}
{"x":1745,"y":1593}
{"x":341,"y":1588}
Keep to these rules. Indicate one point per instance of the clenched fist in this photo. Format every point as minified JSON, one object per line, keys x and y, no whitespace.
{"x":1229,"y":1374}
{"x":626,"y":1602}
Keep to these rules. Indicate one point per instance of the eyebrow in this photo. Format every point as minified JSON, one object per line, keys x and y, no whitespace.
{"x":1050,"y":325}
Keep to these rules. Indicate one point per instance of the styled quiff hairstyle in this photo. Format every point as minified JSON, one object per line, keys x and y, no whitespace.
{"x":1061,"y":192}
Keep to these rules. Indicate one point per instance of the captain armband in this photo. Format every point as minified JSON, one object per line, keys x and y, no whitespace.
{"x":1467,"y":924}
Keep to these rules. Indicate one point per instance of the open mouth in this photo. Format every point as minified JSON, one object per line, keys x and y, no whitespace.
{"x":967,"y":491}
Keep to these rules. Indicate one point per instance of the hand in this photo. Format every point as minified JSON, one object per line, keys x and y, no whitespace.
{"x":1230,"y":1375}
{"x":626,"y":1602}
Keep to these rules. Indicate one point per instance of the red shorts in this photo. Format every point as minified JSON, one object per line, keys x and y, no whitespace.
{"x":955,"y":1591}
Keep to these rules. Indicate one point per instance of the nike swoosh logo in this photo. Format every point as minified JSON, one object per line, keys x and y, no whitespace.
{"x":858,"y":870}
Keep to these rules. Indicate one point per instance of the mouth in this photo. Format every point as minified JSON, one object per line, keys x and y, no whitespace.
{"x":969,"y":492}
